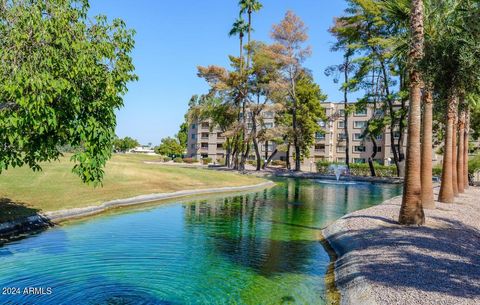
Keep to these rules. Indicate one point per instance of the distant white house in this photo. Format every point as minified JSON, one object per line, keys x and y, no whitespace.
{"x":144,"y":149}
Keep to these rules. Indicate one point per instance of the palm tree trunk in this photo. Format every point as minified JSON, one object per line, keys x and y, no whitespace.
{"x":461,"y":146}
{"x":455,"y":153}
{"x":426,"y":170}
{"x":466,"y":136}
{"x":345,"y":106}
{"x":249,"y":37}
{"x":411,"y":211}
{"x":446,"y":194}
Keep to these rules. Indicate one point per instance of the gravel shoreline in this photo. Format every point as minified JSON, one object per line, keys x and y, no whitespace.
{"x":380,"y":262}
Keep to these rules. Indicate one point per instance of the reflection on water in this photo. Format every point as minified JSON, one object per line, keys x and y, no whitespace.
{"x":257,"y":248}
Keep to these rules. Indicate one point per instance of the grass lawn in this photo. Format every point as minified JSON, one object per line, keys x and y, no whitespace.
{"x":56,"y":187}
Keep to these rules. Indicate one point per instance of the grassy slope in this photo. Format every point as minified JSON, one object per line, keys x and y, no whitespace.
{"x":57,"y":188}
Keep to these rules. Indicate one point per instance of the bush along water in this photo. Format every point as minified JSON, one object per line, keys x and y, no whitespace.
{"x":358,"y":169}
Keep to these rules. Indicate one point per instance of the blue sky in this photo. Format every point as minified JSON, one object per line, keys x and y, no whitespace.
{"x":174,"y":37}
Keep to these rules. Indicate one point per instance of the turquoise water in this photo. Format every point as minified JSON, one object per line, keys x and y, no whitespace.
{"x":255,"y":248}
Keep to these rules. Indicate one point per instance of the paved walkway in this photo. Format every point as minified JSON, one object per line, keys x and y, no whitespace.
{"x":381,"y":262}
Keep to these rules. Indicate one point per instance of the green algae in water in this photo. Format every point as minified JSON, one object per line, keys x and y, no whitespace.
{"x":256,"y":248}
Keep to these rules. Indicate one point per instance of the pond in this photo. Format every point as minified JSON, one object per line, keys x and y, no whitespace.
{"x":254,"y":248}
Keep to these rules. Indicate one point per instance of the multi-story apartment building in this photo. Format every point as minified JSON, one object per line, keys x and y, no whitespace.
{"x":205,"y":140}
{"x":330,"y":144}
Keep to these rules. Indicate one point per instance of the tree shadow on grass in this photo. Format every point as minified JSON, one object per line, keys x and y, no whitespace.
{"x":17,"y":215}
{"x":443,"y":259}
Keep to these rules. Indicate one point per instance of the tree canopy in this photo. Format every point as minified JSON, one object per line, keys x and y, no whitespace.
{"x":61,"y":79}
{"x":170,"y":147}
{"x":125,"y":144}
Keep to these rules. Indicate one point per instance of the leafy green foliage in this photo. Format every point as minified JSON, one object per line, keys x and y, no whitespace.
{"x":125,"y":144}
{"x":182,"y":135}
{"x":61,"y":79}
{"x":170,"y":147}
{"x":309,"y":112}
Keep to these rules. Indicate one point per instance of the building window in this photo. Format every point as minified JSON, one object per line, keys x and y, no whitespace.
{"x":194,"y":126}
{"x":321,"y":123}
{"x":359,"y":148}
{"x":342,"y":136}
{"x":269,"y":147}
{"x":268,"y":114}
{"x":341,"y":124}
{"x":341,"y":160}
{"x":194,"y":136}
{"x":205,"y":125}
{"x":357,"y":137}
{"x":319,"y":135}
{"x":220,"y":135}
{"x":268,"y":125}
{"x":379,"y":137}
{"x":204,"y":145}
{"x":359,"y":160}
{"x":205,"y":135}
{"x":319,"y":147}
{"x":379,"y":149}
{"x":341,"y":149}
{"x":360,"y":124}
{"x":341,"y":112}
{"x":378,"y":112}
{"x":219,"y":145}
{"x":396,"y":135}
{"x":361,"y":112}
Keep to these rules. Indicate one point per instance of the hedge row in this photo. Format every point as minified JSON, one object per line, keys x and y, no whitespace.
{"x":358,"y":169}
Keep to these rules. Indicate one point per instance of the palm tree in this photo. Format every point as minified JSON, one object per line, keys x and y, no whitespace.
{"x":239,"y":28}
{"x":454,"y":152}
{"x":465,"y":147}
{"x":411,"y":212}
{"x":446,"y":189}
{"x":426,"y":168}
{"x":249,"y":6}
{"x":461,"y":138}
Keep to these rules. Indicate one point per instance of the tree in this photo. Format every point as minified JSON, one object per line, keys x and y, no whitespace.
{"x":374,"y":33}
{"x":239,"y":28}
{"x":249,"y":6}
{"x":461,"y":147}
{"x":290,"y":35}
{"x":426,"y":196}
{"x":170,"y":147}
{"x":411,"y":211}
{"x":309,"y":112}
{"x":62,"y":77}
{"x":182,"y":135}
{"x":346,"y":68}
{"x":125,"y":144}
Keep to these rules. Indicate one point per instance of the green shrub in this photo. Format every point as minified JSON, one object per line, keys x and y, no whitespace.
{"x":437,"y":170}
{"x":206,"y":161}
{"x":178,"y":160}
{"x":358,"y":169}
{"x":474,"y":164}
{"x":279,"y":163}
{"x":166,"y":159}
{"x":190,"y":160}
{"x":221,"y":161}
